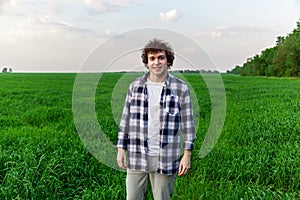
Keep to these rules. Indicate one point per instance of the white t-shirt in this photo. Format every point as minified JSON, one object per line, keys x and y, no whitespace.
{"x":154,"y":94}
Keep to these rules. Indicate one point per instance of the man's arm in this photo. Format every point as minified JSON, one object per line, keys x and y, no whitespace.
{"x":121,"y":158}
{"x":188,"y":131}
{"x":123,"y":133}
{"x":187,"y":121}
{"x":185,"y":163}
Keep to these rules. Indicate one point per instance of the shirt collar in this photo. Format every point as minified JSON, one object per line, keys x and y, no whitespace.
{"x":145,"y":77}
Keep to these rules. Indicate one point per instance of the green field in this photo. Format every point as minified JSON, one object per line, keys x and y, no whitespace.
{"x":43,"y":157}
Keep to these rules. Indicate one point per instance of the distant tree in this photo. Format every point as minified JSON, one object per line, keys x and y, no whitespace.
{"x":281,"y":60}
{"x":4,"y":70}
{"x":236,"y":70}
{"x":280,"y":40}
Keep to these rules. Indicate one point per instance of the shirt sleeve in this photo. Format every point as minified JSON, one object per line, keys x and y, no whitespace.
{"x":187,"y":121}
{"x":124,"y":123}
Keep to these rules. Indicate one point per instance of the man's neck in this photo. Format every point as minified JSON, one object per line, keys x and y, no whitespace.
{"x":157,"y":78}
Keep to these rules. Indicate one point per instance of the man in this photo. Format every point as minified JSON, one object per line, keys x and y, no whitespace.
{"x":156,"y":110}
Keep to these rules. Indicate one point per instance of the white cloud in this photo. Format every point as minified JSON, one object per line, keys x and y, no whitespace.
{"x":170,"y":16}
{"x":235,"y":30}
{"x":188,"y":50}
{"x":107,"y":32}
{"x":21,"y":8}
{"x":3,"y":3}
{"x":54,"y":6}
{"x":105,"y":6}
{"x":216,"y":34}
{"x":44,"y":27}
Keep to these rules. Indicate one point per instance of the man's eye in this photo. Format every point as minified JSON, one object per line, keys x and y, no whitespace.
{"x":161,"y":57}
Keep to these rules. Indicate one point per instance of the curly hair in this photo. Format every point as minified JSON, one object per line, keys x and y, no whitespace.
{"x":157,"y":45}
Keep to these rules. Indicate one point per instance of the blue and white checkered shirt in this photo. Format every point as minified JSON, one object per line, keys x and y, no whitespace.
{"x":176,"y":116}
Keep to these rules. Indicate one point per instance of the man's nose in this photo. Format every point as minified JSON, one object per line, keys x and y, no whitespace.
{"x":156,"y":61}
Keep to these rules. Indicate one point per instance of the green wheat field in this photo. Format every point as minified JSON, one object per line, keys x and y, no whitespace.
{"x":42,"y":156}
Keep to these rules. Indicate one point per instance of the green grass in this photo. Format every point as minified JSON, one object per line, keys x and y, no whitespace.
{"x":42,"y":156}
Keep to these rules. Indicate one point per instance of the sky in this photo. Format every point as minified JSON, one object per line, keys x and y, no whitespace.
{"x":60,"y":35}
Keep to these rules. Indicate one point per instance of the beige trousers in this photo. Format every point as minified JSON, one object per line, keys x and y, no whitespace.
{"x":136,"y":183}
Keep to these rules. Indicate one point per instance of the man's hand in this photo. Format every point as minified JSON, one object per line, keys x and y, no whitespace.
{"x":185,"y":163}
{"x":121,"y":158}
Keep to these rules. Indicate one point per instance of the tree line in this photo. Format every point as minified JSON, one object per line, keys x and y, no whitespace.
{"x":281,"y":60}
{"x":6,"y":70}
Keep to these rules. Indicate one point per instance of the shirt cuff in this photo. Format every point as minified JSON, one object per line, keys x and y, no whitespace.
{"x":122,"y":144}
{"x":188,"y":146}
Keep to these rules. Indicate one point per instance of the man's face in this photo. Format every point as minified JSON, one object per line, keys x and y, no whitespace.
{"x":157,"y":63}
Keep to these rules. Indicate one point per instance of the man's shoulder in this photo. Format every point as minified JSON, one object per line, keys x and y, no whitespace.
{"x":137,"y":82}
{"x":177,"y":82}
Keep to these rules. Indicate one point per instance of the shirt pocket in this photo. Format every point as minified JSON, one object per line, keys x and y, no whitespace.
{"x":172,"y":105}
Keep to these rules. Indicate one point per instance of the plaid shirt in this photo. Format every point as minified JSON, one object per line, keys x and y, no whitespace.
{"x":175,"y":115}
